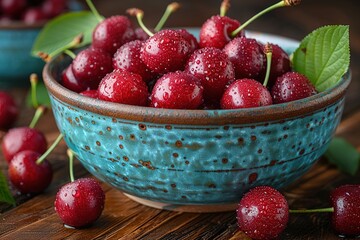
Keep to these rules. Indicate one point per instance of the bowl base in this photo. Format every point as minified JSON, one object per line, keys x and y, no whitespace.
{"x":196,"y":208}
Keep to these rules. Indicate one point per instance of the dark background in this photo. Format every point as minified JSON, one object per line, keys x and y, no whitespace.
{"x":293,"y":22}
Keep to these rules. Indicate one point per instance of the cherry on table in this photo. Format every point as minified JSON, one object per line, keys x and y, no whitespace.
{"x":80,"y":203}
{"x":27,"y":175}
{"x":263,"y":213}
{"x":177,"y":90}
{"x":8,"y":110}
{"x":23,"y":138}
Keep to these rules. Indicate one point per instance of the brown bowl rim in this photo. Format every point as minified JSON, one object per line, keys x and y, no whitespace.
{"x":276,"y":112}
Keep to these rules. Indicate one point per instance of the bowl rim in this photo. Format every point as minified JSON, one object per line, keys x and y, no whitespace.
{"x":275,"y":112}
{"x":17,"y":25}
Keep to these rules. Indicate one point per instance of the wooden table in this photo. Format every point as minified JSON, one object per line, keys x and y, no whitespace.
{"x":34,"y":216}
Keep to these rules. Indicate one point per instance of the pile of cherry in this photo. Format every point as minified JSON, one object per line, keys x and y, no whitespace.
{"x":30,"y":11}
{"x":171,"y":69}
{"x":79,"y":202}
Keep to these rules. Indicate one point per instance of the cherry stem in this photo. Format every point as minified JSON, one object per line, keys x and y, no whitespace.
{"x":139,"y":14}
{"x":34,"y":81}
{"x":172,"y":7}
{"x":94,"y":10}
{"x":225,"y":5}
{"x":70,"y":154}
{"x":283,"y":3}
{"x":318,"y":210}
{"x":50,"y":149}
{"x":70,"y":53}
{"x":268,"y":52}
{"x":38,"y":113}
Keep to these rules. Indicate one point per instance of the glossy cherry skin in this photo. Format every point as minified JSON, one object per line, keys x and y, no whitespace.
{"x":112,"y":33}
{"x":216,"y":31}
{"x":33,"y":15}
{"x":127,"y":57}
{"x":166,"y":51}
{"x":20,"y":139}
{"x":214,"y":70}
{"x":69,"y":81}
{"x":80,"y":203}
{"x":52,"y":8}
{"x":292,"y":86}
{"x":28,"y":176}
{"x":245,"y":93}
{"x":90,"y":66}
{"x":93,"y":93}
{"x":177,"y":90}
{"x":346,"y":216}
{"x":8,"y":110}
{"x":247,"y":57}
{"x":12,"y":8}
{"x":123,"y":87}
{"x":190,"y":38}
{"x":280,"y":64}
{"x":263,"y":213}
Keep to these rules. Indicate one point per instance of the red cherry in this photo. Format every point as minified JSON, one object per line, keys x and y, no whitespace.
{"x":247,"y":57}
{"x":12,"y":8}
{"x":140,"y":34}
{"x":123,"y":87}
{"x":90,"y":93}
{"x":245,"y":93}
{"x":72,"y":83}
{"x":216,"y":31}
{"x":190,"y":38}
{"x":90,"y":66}
{"x":24,"y":138}
{"x":52,"y":8}
{"x":177,"y":90}
{"x":28,"y":176}
{"x":112,"y":33}
{"x":263,"y":213}
{"x":8,"y":110}
{"x":80,"y":203}
{"x":214,"y":70}
{"x":127,"y":57}
{"x":346,"y":217}
{"x":292,"y":86}
{"x":166,"y":51}
{"x":33,"y":15}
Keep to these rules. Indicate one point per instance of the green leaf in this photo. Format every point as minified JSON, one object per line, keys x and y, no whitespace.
{"x":343,"y":155}
{"x":42,"y":96}
{"x":59,"y":33}
{"x":324,"y":56}
{"x":5,"y":194}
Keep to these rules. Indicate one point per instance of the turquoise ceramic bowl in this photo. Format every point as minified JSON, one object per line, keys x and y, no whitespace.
{"x":16,"y":62}
{"x":195,"y":160}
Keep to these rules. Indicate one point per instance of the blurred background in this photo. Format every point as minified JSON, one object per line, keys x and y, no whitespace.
{"x":293,"y":22}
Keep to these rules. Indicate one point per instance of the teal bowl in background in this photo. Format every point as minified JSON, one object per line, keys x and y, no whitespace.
{"x":195,"y":160}
{"x":16,"y":62}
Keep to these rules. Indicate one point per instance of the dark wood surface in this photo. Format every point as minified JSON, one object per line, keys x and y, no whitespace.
{"x":34,"y":216}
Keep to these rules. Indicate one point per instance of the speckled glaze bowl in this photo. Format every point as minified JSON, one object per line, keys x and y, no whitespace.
{"x":16,"y":62}
{"x":195,"y":160}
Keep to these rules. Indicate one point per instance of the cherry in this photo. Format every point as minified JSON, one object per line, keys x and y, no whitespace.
{"x":20,"y":139}
{"x":90,"y":93}
{"x":112,"y":33}
{"x":346,"y":217}
{"x":165,"y":51}
{"x":52,"y":8}
{"x":216,"y":31}
{"x":291,"y":86}
{"x":214,"y":70}
{"x":90,"y":66}
{"x":71,"y":82}
{"x":262,"y":213}
{"x":140,"y":34}
{"x":280,"y":64}
{"x":245,"y":93}
{"x":79,"y":203}
{"x":177,"y":90}
{"x":8,"y":110}
{"x":33,"y":15}
{"x":27,"y":175}
{"x":247,"y":57}
{"x":123,"y":87}
{"x":127,"y":57}
{"x":12,"y":8}
{"x":190,"y":38}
